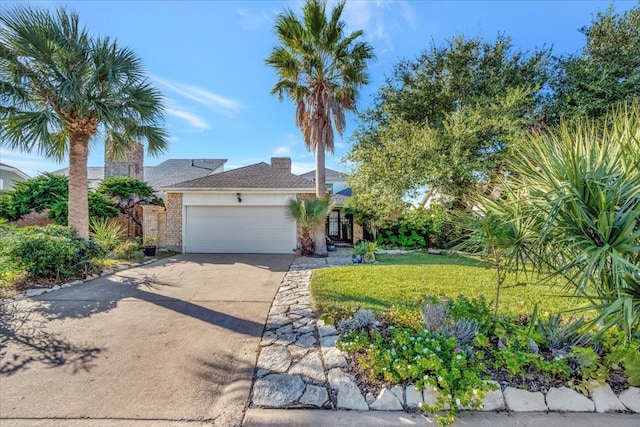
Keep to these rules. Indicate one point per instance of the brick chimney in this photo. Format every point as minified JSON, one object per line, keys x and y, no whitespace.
{"x":283,"y":163}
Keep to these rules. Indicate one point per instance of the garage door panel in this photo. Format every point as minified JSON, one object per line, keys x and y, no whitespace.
{"x":234,"y":229}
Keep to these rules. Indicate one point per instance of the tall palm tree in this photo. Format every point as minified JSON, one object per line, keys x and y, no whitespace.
{"x":321,"y":70}
{"x":61,"y":89}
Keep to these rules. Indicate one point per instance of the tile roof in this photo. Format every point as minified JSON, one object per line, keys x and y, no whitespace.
{"x":259,"y":175}
{"x":341,"y":196}
{"x":330,"y":175}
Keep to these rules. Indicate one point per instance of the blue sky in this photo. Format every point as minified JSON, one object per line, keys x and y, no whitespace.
{"x":207,"y":57}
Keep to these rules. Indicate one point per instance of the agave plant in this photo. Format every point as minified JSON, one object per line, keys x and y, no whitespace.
{"x":106,"y":232}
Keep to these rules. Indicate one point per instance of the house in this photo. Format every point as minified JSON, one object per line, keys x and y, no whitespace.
{"x":166,"y":173}
{"x":340,"y":224}
{"x":238,"y":211}
{"x":10,"y":175}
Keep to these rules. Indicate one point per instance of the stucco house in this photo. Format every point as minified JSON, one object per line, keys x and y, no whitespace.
{"x":238,"y":211}
{"x":9,"y":176}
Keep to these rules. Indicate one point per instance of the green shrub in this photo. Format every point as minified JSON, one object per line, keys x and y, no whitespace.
{"x":51,"y":252}
{"x":126,"y":250}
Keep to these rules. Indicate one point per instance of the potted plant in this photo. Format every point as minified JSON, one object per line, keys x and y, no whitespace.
{"x":359,"y":249}
{"x":149,"y":246}
{"x":369,"y":251}
{"x":331,"y":246}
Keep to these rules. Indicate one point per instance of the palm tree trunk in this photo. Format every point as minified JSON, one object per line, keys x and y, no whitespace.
{"x":78,"y":185}
{"x":319,"y":232}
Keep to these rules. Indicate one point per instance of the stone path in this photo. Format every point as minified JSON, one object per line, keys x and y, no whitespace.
{"x":299,"y":366}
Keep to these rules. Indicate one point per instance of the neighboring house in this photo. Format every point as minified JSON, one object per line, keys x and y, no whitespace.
{"x":340,"y":225}
{"x":238,"y":211}
{"x":166,"y":173}
{"x":9,"y":176}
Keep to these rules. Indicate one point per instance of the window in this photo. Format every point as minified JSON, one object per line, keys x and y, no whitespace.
{"x":330,"y":188}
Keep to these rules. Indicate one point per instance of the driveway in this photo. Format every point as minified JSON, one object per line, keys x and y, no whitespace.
{"x":175,"y":341}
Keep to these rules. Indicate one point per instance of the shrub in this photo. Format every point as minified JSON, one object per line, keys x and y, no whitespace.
{"x":105,"y":232}
{"x":51,"y":252}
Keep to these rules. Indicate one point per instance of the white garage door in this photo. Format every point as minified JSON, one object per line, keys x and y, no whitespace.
{"x":234,"y":229}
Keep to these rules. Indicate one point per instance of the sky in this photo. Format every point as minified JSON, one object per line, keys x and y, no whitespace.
{"x":207,"y":58}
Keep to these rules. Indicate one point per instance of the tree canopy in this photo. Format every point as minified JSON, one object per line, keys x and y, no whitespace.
{"x":445,"y":120}
{"x":606,"y":71}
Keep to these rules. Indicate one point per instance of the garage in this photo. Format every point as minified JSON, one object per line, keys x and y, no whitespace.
{"x":238,"y":211}
{"x":238,"y":229}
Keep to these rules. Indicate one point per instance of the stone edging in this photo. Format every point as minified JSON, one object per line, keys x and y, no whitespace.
{"x":34,"y":292}
{"x":299,"y":366}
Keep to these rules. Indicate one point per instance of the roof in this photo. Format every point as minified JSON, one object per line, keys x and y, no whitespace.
{"x":258,"y":176}
{"x":330,"y":175}
{"x":166,"y":173}
{"x":15,"y":170}
{"x":340,"y":197}
{"x":179,"y":170}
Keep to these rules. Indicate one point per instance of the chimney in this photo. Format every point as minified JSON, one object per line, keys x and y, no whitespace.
{"x":283,"y":163}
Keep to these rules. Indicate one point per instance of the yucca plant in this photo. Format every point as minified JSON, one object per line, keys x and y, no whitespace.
{"x":106,"y":232}
{"x":583,"y":193}
{"x":309,"y":213}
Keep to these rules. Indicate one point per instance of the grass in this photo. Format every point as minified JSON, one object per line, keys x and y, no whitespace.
{"x":405,"y":281}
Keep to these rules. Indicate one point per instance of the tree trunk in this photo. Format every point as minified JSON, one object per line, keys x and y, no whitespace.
{"x":319,"y":231}
{"x":78,"y":185}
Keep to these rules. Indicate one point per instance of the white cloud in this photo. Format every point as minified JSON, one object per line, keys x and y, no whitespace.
{"x":282,"y":150}
{"x":193,"y":119}
{"x":222,"y":105}
{"x":251,"y":20}
{"x":298,"y":168}
{"x":31,"y":164}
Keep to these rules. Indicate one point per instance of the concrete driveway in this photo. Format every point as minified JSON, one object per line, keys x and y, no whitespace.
{"x":171,"y":343}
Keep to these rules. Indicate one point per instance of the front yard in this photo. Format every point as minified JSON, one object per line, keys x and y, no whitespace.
{"x":428,"y":320}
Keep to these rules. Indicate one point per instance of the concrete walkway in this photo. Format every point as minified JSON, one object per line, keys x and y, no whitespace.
{"x":172,"y":343}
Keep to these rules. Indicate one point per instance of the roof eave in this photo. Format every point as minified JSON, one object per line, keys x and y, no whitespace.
{"x":236,"y":190}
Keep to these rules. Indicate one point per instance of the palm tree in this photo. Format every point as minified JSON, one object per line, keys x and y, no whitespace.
{"x":60,"y":89}
{"x":320,"y":70}
{"x":309,"y":213}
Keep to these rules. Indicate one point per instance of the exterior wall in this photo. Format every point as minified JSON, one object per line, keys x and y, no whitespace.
{"x":155,"y":224}
{"x":8,"y":179}
{"x":358,"y":232}
{"x":173,"y":234}
{"x":132,"y":165}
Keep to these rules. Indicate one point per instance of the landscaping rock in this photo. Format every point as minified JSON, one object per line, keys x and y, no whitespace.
{"x":309,"y":366}
{"x":314,"y":396}
{"x":329,"y":341}
{"x":386,"y":401}
{"x":398,"y":391}
{"x":524,"y":401}
{"x":349,"y":396}
{"x":429,"y":395}
{"x":106,"y":272}
{"x":567,"y":400}
{"x":277,"y":390}
{"x":306,"y":340}
{"x":333,"y":358}
{"x":34,"y":292}
{"x":274,"y":358}
{"x":605,"y":399}
{"x":413,"y":397}
{"x":631,"y":399}
{"x":121,"y":267}
{"x":55,"y":288}
{"x":297,"y":352}
{"x":66,"y":285}
{"x":369,"y":398}
{"x":494,"y":400}
{"x":327,"y":330}
{"x":135,"y":264}
{"x":76,"y":282}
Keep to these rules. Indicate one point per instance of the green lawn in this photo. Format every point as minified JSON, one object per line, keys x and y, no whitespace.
{"x":406,"y":280}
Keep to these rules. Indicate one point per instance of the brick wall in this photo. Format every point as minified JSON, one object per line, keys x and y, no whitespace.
{"x":173,"y":203}
{"x":155,"y":224}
